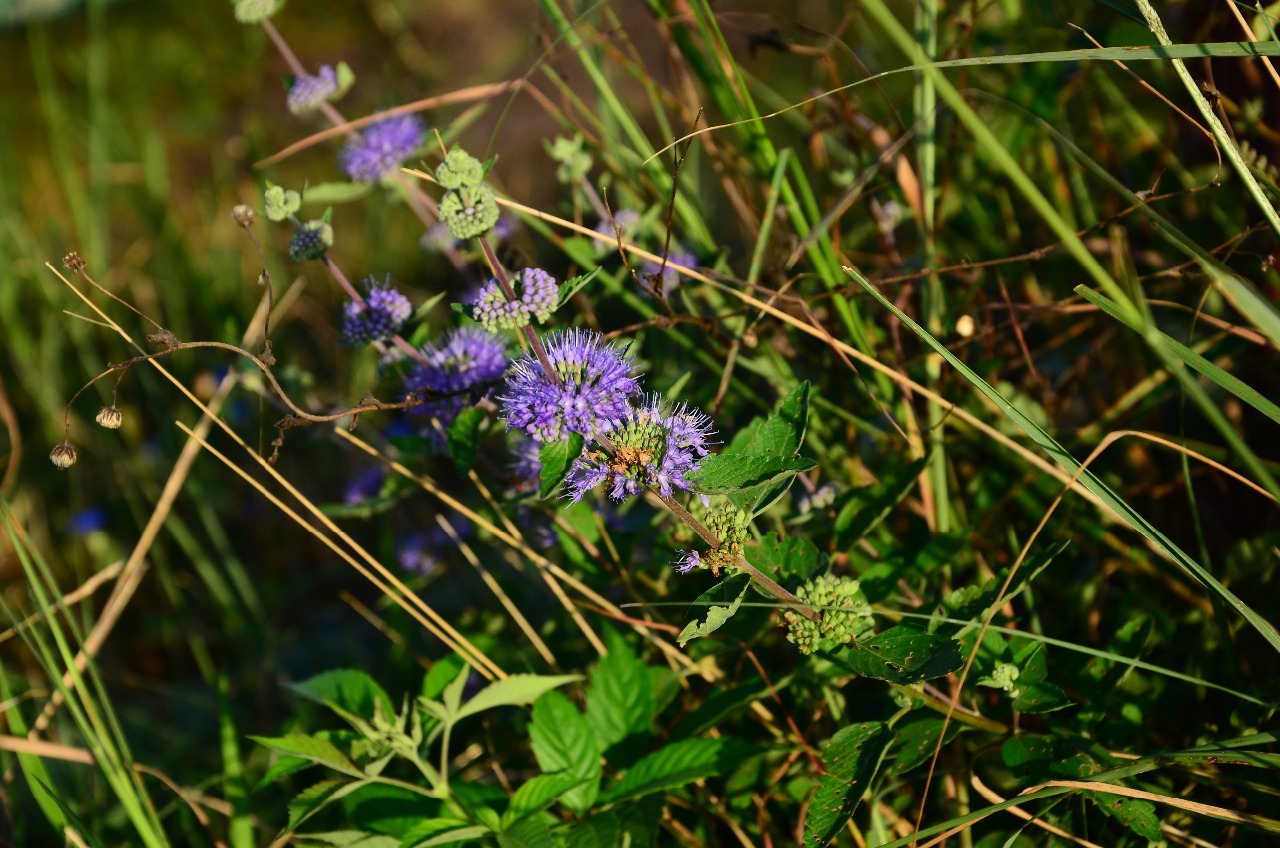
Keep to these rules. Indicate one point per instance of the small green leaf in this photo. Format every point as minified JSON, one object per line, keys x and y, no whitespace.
{"x":677,"y":764}
{"x":619,"y":698}
{"x":713,"y":614}
{"x":794,"y":556}
{"x":1137,"y":814}
{"x":903,"y":655}
{"x":310,"y":748}
{"x":326,"y":194}
{"x":534,"y":832}
{"x":721,"y":474}
{"x":514,"y":690}
{"x":463,"y":438}
{"x":573,"y":285}
{"x":348,"y":689}
{"x":442,"y":672}
{"x":346,"y":79}
{"x":850,"y":759}
{"x":557,"y":458}
{"x":350,"y":839}
{"x":314,"y":798}
{"x":538,"y":793}
{"x":441,"y":831}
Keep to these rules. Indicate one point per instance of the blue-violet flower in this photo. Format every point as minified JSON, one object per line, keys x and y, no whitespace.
{"x":655,"y":445}
{"x":382,"y":148}
{"x":309,"y":93}
{"x":465,"y":359}
{"x":593,"y":394}
{"x":380,"y":317}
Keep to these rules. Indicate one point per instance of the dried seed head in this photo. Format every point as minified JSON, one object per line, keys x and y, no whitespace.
{"x":110,"y":417}
{"x":244,"y":215}
{"x":63,"y":456}
{"x":164,"y":339}
{"x":73,"y":262}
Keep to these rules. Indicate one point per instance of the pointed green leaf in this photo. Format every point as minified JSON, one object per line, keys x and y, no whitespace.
{"x":463,"y":438}
{"x":677,"y":764}
{"x":794,"y":556}
{"x":619,"y":698}
{"x":310,"y":748}
{"x":719,"y":474}
{"x":573,"y":285}
{"x":514,"y":690}
{"x":903,"y":655}
{"x":441,"y":831}
{"x":327,"y":194}
{"x":710,"y":613}
{"x":538,"y":793}
{"x":850,"y":759}
{"x":557,"y":458}
{"x":562,"y":741}
{"x":346,"y":688}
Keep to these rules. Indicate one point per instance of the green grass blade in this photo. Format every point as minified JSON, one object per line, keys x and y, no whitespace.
{"x":240,"y":828}
{"x":1061,"y":456}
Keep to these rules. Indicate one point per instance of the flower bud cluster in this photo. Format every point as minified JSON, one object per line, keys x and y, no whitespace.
{"x":846,"y":614}
{"x":310,"y":241}
{"x":469,"y":207}
{"x":537,"y":296}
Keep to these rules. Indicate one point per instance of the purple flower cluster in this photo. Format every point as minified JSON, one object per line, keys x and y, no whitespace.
{"x":382,"y":148}
{"x":310,"y":240}
{"x":467,"y":359}
{"x":593,"y":395}
{"x":537,"y":295}
{"x":380,"y":317}
{"x":655,"y":445}
{"x":309,"y":92}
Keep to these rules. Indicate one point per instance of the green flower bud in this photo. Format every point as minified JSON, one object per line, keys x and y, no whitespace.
{"x":469,"y":211}
{"x":846,"y":614}
{"x":459,"y":169}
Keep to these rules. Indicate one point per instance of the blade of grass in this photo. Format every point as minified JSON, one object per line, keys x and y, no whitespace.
{"x":1061,"y":456}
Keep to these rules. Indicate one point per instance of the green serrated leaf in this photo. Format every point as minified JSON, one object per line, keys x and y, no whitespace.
{"x":347,"y":688}
{"x":327,"y":194}
{"x":573,"y":285}
{"x":562,"y":741}
{"x":903,"y":655}
{"x":1042,"y":697}
{"x":539,"y":793}
{"x":442,"y":672}
{"x":851,"y":760}
{"x":441,"y":831}
{"x":463,"y":438}
{"x":310,"y":748}
{"x":720,"y":474}
{"x":533,"y":832}
{"x":794,"y":556}
{"x":619,"y":698}
{"x":349,"y":839}
{"x":513,"y":691}
{"x":557,"y":458}
{"x":314,"y":798}
{"x":781,"y":434}
{"x":917,"y":741}
{"x":712,"y":614}
{"x":1137,"y":814}
{"x":677,"y":764}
